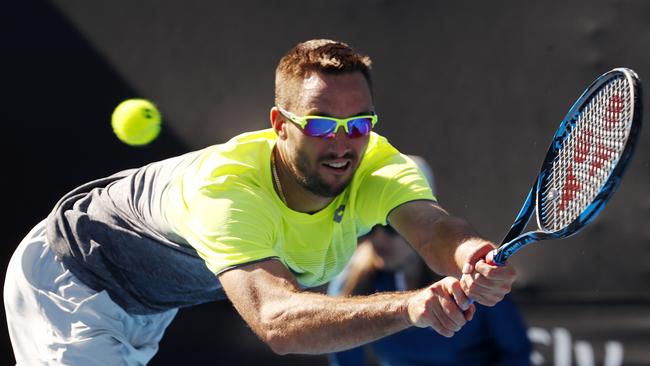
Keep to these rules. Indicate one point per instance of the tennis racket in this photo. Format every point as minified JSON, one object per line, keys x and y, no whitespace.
{"x":584,"y":165}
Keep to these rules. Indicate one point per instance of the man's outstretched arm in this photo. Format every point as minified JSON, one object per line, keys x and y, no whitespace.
{"x":290,"y":320}
{"x":450,"y":246}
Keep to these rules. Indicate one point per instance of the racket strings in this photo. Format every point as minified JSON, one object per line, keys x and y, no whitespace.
{"x":587,"y":155}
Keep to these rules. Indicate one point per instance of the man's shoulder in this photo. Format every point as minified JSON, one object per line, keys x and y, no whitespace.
{"x":248,"y":149}
{"x":237,"y":169}
{"x":260,"y":136}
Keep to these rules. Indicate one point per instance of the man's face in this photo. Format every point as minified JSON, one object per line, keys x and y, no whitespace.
{"x":326,"y":166}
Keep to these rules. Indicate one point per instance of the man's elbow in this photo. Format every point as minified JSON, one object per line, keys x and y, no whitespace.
{"x":275,"y":331}
{"x":280,"y":344}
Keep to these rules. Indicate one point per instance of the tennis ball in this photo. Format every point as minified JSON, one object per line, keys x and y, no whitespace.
{"x":136,"y":122}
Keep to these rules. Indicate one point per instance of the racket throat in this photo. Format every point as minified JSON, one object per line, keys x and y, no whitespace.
{"x":502,"y":253}
{"x":523,"y":217}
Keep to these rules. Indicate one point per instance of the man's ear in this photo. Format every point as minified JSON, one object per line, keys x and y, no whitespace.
{"x":277,"y":122}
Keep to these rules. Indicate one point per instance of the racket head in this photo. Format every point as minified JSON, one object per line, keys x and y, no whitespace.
{"x":589,"y":154}
{"x":596,"y":159}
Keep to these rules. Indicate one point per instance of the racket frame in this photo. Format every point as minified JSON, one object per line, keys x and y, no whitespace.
{"x":514,"y":240}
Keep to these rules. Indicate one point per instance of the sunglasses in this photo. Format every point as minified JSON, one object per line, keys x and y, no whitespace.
{"x":326,"y":127}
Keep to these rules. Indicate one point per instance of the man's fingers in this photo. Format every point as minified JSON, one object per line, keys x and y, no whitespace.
{"x":448,"y":316}
{"x":489,"y":258}
{"x":437,"y":306}
{"x":486,"y":283}
{"x":441,"y":329}
{"x":460,"y":297}
{"x":486,"y":299}
{"x":483,"y":290}
{"x":486,"y":294}
{"x":504,"y":273}
{"x":496,"y":285}
{"x":469,"y":313}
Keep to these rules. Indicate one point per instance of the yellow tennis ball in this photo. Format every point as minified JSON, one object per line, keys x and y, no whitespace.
{"x":136,"y":121}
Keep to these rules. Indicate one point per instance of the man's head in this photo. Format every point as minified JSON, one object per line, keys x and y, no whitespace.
{"x":317,"y":55}
{"x":322,"y":78}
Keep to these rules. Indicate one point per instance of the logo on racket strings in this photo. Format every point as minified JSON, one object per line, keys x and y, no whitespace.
{"x":590,"y":152}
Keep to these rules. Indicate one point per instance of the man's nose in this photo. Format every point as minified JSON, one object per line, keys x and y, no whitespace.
{"x":342,"y":135}
{"x":341,"y":141}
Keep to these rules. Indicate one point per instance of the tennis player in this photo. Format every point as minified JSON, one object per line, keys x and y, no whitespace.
{"x":257,"y":220}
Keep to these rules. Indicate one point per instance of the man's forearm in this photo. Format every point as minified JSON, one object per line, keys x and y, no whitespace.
{"x":450,"y":247}
{"x":314,"y":323}
{"x":442,"y":240}
{"x":293,"y":321}
{"x":289,"y":320}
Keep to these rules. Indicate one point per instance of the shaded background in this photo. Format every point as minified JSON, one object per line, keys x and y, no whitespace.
{"x":477,"y":88}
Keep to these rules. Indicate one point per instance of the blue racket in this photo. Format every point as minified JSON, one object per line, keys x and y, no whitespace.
{"x":584,"y":164}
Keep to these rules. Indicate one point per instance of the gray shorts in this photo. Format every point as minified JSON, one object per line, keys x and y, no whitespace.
{"x":54,"y":319}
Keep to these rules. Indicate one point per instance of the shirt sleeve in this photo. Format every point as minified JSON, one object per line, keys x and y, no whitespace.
{"x":389,"y":180}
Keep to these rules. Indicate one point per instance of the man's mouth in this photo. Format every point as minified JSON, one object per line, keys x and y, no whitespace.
{"x":338,"y":165}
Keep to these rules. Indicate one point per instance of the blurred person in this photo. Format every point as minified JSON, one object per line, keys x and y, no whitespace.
{"x":256,"y":220}
{"x":384,"y":262}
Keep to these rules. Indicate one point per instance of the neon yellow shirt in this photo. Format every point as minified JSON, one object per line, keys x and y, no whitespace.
{"x":224,"y":205}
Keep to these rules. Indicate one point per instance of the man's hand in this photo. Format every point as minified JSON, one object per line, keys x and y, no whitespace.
{"x":437,"y":307}
{"x":484,"y":281}
{"x":448,"y":244}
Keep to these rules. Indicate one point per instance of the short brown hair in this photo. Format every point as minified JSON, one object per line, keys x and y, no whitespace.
{"x":321,"y":55}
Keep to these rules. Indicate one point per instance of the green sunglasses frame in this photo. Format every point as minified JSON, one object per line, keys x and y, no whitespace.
{"x":340,"y":122}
